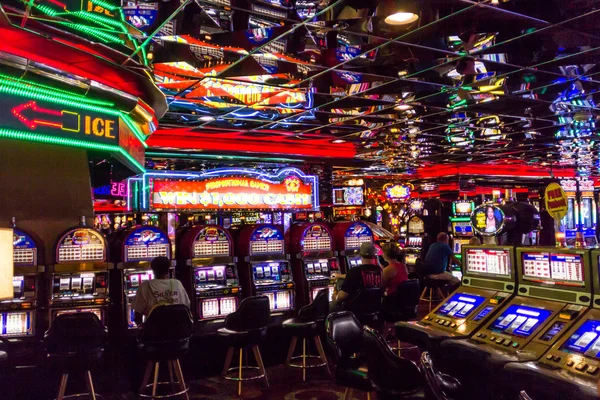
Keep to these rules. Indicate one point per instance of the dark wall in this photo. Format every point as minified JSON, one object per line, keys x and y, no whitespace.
{"x":45,"y":187}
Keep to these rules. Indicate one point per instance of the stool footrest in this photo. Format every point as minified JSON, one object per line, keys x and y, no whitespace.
{"x":141,"y":393}
{"x":308,"y":357}
{"x":244,"y":368}
{"x":77,"y":395}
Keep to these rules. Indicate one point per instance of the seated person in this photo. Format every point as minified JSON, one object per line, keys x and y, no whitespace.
{"x":160,"y":290}
{"x":438,"y":258}
{"x":475,"y":241}
{"x":395,"y":272}
{"x":366,"y":275}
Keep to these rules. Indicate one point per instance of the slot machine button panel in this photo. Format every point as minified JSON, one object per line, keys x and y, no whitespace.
{"x":515,"y":345}
{"x":570,"y":363}
{"x":499,"y":340}
{"x":581,"y":367}
{"x":549,"y":357}
{"x":592,"y":370}
{"x":556,"y":359}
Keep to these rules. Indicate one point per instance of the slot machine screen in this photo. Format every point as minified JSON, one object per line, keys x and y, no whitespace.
{"x":569,"y":219}
{"x":146,"y":243}
{"x":357,"y":234}
{"x":354,"y":261}
{"x":75,"y":285}
{"x":520,"y":320}
{"x":488,"y":262}
{"x":316,"y":238}
{"x":16,"y":323}
{"x":460,"y":305}
{"x":211,"y":241}
{"x":462,"y":228}
{"x":266,"y":240}
{"x":463,"y":208}
{"x":211,"y":276}
{"x":586,"y":212}
{"x":416,"y":225}
{"x":217,"y":307}
{"x":586,"y":340}
{"x":411,"y":258}
{"x":134,"y":280}
{"x":267,"y":271}
{"x":18,"y":287}
{"x":81,"y":245}
{"x":554,"y":269}
{"x":280,"y":300}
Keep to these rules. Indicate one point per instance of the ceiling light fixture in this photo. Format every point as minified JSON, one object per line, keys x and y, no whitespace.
{"x":398,"y":12}
{"x":338,"y":141}
{"x":403,"y":107}
{"x":207,"y":118}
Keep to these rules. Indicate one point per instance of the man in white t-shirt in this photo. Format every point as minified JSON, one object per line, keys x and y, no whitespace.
{"x":160,"y":290}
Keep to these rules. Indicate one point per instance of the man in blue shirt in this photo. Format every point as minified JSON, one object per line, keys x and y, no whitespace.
{"x":437,"y":260}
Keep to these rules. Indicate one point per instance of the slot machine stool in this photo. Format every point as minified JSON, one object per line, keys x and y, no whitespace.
{"x":308,"y":325}
{"x":431,"y":287}
{"x":246,"y":327}
{"x":402,"y":305}
{"x":74,"y":343}
{"x":159,"y":344}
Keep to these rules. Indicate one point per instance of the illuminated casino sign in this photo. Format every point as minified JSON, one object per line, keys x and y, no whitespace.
{"x":240,"y":189}
{"x":398,"y":192}
{"x":488,"y":220}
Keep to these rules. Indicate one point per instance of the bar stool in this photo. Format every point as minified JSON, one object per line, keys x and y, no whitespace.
{"x":74,"y":343}
{"x":165,"y":337}
{"x":432,"y":286}
{"x":402,"y":305}
{"x":366,"y":305}
{"x":246,"y":327}
{"x":308,"y":325}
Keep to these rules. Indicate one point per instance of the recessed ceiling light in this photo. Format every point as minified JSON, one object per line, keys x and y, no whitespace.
{"x":338,"y":141}
{"x":401,"y":18}
{"x":403,"y":107}
{"x":207,"y":118}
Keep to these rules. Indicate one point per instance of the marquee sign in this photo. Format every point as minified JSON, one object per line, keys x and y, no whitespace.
{"x":398,"y":192}
{"x":240,"y":189}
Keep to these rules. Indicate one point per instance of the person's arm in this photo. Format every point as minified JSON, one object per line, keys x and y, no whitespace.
{"x":348,"y":286}
{"x":139,"y":304}
{"x":341,"y":296}
{"x":456,"y":260}
{"x":388,"y":274}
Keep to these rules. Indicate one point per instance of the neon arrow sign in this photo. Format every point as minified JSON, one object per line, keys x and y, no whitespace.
{"x":19,"y":110}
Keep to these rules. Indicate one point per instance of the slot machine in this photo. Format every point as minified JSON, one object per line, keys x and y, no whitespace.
{"x":488,"y":283}
{"x":208,"y":270}
{"x":131,"y":251}
{"x":573,"y":361}
{"x":19,"y":320}
{"x":587,"y":213}
{"x":414,"y":240}
{"x":348,"y":237}
{"x":554,"y":291}
{"x":78,"y":279}
{"x":462,"y":230}
{"x":313,"y":260}
{"x":265,"y":267}
{"x":569,"y":224}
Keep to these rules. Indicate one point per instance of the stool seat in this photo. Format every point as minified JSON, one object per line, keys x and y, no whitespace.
{"x":159,"y":351}
{"x":435,"y":283}
{"x":300,"y":327}
{"x":234,"y":338}
{"x":75,"y":361}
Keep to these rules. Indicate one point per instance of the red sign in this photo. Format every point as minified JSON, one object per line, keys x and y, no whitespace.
{"x":232,"y":193}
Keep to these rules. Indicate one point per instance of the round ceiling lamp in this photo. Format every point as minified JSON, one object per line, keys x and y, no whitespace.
{"x":398,"y":12}
{"x":403,"y":107}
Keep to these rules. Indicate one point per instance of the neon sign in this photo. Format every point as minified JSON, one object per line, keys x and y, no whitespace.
{"x":239,"y":191}
{"x":59,"y":120}
{"x":398,"y":192}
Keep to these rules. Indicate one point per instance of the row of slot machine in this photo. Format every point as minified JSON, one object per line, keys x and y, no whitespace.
{"x":93,"y":273}
{"x":526,"y":314}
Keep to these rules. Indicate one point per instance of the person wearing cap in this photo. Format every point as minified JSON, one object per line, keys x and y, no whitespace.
{"x":366,"y":275}
{"x":438,"y":258}
{"x":160,"y":290}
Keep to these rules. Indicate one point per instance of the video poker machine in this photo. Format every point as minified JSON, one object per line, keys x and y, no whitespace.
{"x":19,"y":322}
{"x":313,"y":260}
{"x":571,"y":367}
{"x":487,"y":284}
{"x":265,"y":269}
{"x":131,"y":251}
{"x":78,"y":279}
{"x":208,"y":270}
{"x":348,"y":237}
{"x":554,"y":290}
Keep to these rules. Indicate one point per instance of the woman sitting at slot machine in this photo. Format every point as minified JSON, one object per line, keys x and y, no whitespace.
{"x":395,"y":272}
{"x":160,"y":290}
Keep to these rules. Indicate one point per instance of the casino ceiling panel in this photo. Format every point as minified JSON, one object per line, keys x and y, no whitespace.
{"x":395,"y":85}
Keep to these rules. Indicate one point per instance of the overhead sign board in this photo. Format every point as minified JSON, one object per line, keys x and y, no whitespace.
{"x":288,"y":191}
{"x":555,"y":200}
